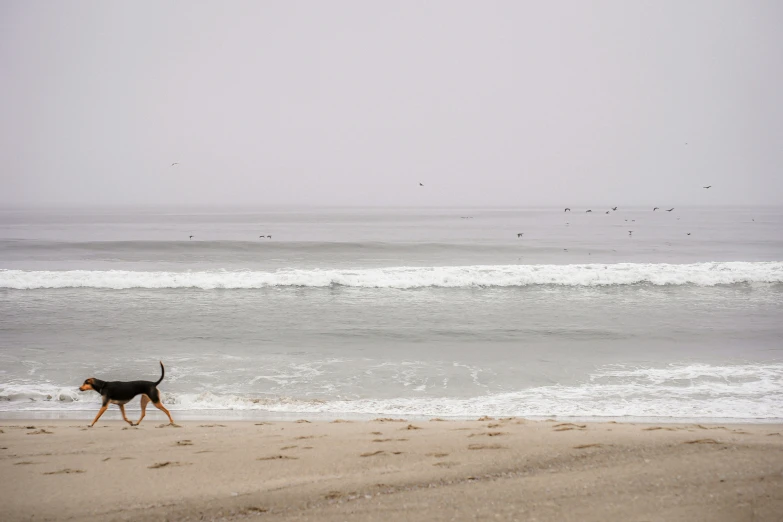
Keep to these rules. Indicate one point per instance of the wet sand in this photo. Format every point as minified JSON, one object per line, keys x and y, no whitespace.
{"x":504,"y":469}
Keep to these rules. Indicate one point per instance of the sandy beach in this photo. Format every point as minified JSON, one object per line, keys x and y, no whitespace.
{"x":488,"y":469}
{"x":303,"y":231}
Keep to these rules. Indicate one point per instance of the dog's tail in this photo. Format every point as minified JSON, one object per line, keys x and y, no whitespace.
{"x":162,"y":373}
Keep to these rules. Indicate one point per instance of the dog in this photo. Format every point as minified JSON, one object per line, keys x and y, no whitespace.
{"x":121,"y":393}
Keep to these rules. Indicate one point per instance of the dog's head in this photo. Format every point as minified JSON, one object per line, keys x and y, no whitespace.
{"x":88,"y":385}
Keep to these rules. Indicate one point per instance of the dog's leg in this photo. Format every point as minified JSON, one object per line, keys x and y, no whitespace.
{"x":144,"y":401}
{"x":122,"y":409}
{"x":164,"y":410}
{"x":100,"y":412}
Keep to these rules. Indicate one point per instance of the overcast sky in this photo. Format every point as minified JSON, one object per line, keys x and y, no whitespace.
{"x":355,"y":103}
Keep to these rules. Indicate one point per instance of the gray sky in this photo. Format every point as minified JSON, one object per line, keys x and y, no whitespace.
{"x":355,"y":103}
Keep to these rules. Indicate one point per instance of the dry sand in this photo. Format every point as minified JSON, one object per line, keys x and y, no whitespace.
{"x":387,"y":470}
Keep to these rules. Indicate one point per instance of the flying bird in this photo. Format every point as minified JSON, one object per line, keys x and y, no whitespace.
{"x":588,"y":210}
{"x":567,"y":210}
{"x":520,"y":234}
{"x":630,"y":232}
{"x":607,"y":211}
{"x":614,"y":208}
{"x":708,"y":186}
{"x":689,"y":233}
{"x":175,"y":163}
{"x":190,"y":237}
{"x":269,"y":237}
{"x":656,"y":208}
{"x":421,"y":184}
{"x":670,"y":209}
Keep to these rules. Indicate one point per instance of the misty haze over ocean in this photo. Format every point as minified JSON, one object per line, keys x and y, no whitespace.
{"x":411,"y":163}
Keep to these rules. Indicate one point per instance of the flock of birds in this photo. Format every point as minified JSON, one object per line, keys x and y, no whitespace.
{"x":615,"y":208}
{"x":519,"y":234}
{"x":630,"y":232}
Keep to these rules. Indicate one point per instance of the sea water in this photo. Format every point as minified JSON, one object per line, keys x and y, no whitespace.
{"x":420,"y":312}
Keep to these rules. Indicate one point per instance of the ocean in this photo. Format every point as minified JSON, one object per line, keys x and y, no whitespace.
{"x":354,"y":313}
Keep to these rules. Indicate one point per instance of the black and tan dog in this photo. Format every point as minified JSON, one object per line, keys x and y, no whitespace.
{"x":120,"y":393}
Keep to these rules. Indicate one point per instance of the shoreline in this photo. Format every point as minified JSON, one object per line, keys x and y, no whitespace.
{"x":260,"y":415}
{"x":390,"y":469}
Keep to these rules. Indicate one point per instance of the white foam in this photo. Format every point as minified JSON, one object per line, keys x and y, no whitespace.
{"x":22,"y":396}
{"x":701,"y":274}
{"x":687,"y":391}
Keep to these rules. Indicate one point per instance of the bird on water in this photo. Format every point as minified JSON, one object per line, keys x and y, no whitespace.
{"x":588,"y":210}
{"x":190,"y":237}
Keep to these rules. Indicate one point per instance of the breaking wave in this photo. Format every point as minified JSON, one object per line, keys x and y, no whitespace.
{"x":750,"y":392}
{"x":700,"y":274}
